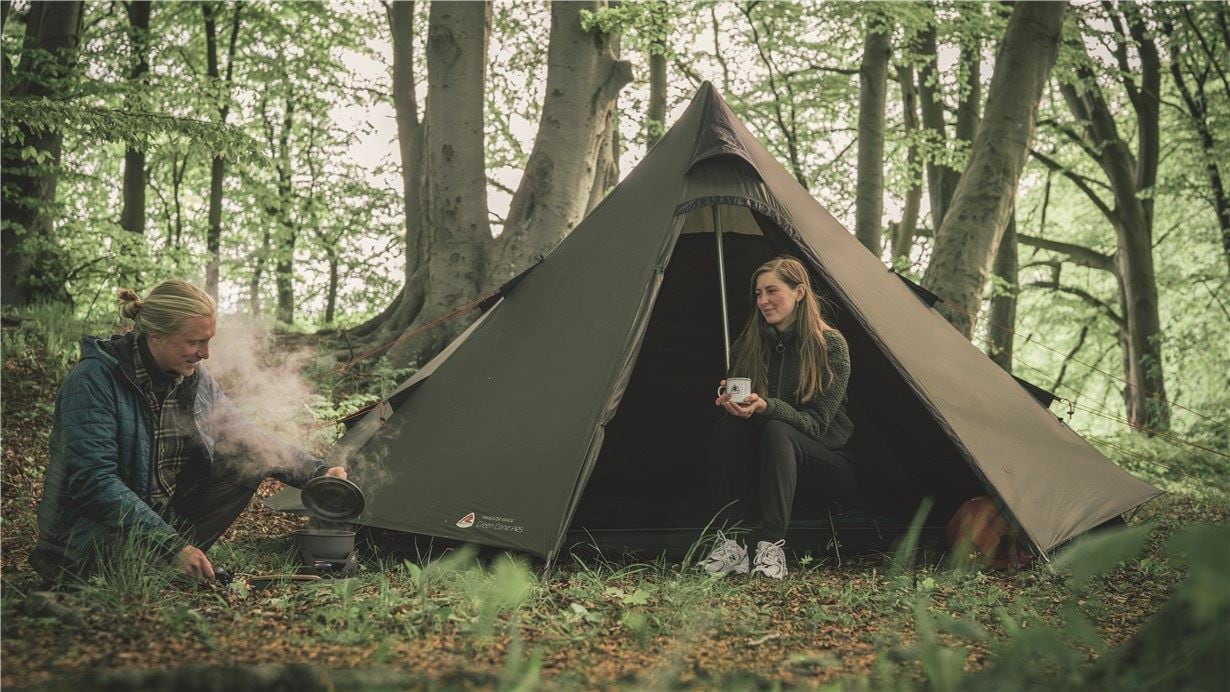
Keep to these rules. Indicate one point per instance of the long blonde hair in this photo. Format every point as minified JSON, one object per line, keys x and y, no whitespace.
{"x":166,"y":307}
{"x":753,"y":345}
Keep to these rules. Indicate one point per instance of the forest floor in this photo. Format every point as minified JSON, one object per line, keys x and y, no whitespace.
{"x":457,"y":624}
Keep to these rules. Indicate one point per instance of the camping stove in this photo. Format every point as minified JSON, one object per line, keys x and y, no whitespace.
{"x":326,"y":547}
{"x":327,"y":568}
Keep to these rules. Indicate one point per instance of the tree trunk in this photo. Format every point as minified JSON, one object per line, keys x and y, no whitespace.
{"x":584,"y":77}
{"x":655,"y":113}
{"x":454,"y":200}
{"x":1003,"y":301}
{"x":1132,"y":219}
{"x":970,"y":97}
{"x":607,"y":167}
{"x":31,"y":266}
{"x":217,"y":168}
{"x":331,"y":298}
{"x":258,"y":271}
{"x":873,"y":83}
{"x":410,"y":130}
{"x":288,"y":232}
{"x":132,"y":215}
{"x":941,"y":180}
{"x":903,"y":232}
{"x":967,"y":242}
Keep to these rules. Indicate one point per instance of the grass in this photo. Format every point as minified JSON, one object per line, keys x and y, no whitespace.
{"x":881,"y":621}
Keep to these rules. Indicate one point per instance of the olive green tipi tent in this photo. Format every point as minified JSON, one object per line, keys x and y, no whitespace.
{"x":582,"y":398}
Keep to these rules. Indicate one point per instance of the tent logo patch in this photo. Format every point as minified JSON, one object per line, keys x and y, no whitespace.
{"x":466,"y":522}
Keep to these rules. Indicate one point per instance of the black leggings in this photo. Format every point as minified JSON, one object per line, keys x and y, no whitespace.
{"x":768,"y":463}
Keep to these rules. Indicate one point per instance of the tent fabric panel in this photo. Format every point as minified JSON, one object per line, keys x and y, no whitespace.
{"x":504,"y":426}
{"x":1053,"y":483}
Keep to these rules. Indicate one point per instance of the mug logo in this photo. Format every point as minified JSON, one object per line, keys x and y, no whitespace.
{"x":734,"y":389}
{"x":466,"y":522}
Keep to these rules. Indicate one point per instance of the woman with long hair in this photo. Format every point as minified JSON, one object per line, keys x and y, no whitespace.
{"x":791,"y":430}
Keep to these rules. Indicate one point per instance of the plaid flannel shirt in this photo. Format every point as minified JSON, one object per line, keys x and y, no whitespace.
{"x":173,"y":426}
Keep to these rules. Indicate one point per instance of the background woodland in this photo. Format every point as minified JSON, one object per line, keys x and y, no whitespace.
{"x":1054,"y":175}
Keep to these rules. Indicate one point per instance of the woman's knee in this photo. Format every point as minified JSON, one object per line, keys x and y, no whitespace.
{"x":776,"y":443}
{"x":731,"y":430}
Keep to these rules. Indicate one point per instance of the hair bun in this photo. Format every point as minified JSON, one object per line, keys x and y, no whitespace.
{"x":130,"y":303}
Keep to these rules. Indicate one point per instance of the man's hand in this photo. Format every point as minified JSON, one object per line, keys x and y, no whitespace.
{"x":192,"y":562}
{"x":337,"y":472}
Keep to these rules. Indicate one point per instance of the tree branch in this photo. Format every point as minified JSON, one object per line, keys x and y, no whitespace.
{"x":1084,"y":295}
{"x":1078,"y":180}
{"x":1076,"y":254}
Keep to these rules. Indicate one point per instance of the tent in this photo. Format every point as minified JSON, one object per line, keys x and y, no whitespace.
{"x":582,"y":397}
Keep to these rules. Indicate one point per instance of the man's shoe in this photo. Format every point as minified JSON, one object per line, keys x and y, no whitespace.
{"x":727,"y":557}
{"x":770,"y":559}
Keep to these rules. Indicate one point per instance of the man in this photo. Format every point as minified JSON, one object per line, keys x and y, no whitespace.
{"x":147,"y":447}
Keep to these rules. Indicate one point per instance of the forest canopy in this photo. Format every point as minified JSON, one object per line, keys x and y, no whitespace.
{"x":304,"y":161}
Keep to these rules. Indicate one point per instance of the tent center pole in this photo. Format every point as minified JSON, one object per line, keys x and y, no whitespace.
{"x":721,"y":261}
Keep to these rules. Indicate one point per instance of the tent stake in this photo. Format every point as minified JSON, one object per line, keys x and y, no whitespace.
{"x":721,"y":258}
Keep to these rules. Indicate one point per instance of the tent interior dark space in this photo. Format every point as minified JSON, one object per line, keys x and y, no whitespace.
{"x":648,"y":477}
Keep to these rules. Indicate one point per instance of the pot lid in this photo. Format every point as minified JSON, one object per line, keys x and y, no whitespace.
{"x":333,"y":499}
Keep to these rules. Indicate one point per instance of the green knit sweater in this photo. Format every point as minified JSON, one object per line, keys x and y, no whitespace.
{"x":823,"y":418}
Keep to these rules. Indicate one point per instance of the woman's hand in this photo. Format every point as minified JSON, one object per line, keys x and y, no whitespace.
{"x":336,"y":472}
{"x":753,"y":404}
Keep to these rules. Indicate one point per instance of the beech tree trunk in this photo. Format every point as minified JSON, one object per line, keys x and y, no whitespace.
{"x":584,"y":78}
{"x":1003,"y":301}
{"x":655,"y":114}
{"x":607,"y":167}
{"x":31,"y":267}
{"x":132,"y":215}
{"x":873,"y":83}
{"x":973,"y":226}
{"x":576,"y":146}
{"x":217,"y":167}
{"x":1131,"y":180}
{"x":288,"y":232}
{"x":941,"y":179}
{"x":410,"y":128}
{"x":904,"y":230}
{"x":454,"y":199}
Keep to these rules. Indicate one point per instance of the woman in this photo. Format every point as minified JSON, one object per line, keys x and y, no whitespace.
{"x":145,"y":444}
{"x":791,"y":429}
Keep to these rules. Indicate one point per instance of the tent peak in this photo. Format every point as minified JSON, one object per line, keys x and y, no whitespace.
{"x":718,"y":134}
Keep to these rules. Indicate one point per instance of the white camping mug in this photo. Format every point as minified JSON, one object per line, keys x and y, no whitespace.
{"x":737,"y":387}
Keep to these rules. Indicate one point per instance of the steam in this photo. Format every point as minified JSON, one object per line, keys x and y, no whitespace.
{"x":263,"y":380}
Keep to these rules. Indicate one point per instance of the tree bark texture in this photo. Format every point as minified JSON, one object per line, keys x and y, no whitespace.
{"x":31,"y":268}
{"x":941,"y":179}
{"x":655,"y":113}
{"x":288,"y":231}
{"x":454,"y":199}
{"x":1132,"y":218}
{"x":872,"y":85}
{"x":584,"y":78}
{"x":1003,"y":301}
{"x":132,"y":214}
{"x":904,"y":230}
{"x":217,"y":166}
{"x":967,"y":242}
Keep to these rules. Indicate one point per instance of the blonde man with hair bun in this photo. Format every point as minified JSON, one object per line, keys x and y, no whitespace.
{"x":147,"y":446}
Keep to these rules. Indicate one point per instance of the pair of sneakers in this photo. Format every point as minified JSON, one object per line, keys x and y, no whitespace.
{"x":729,"y":557}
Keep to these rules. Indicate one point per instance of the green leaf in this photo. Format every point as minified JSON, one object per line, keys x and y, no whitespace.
{"x":1102,"y":551}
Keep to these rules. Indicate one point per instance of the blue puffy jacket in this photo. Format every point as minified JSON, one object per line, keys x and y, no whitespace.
{"x":98,"y":482}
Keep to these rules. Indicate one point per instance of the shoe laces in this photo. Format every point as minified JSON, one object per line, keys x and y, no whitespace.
{"x":771,"y":554}
{"x":726,"y":550}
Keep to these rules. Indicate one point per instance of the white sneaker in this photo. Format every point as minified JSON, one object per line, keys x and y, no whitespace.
{"x":770,"y":559}
{"x":727,"y":557}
